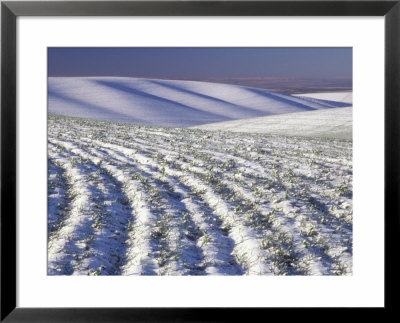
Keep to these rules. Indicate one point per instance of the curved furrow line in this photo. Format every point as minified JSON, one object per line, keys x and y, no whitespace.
{"x":273,"y":146}
{"x":176,"y":254}
{"x":288,"y":180}
{"x":57,"y":199}
{"x":319,"y":265}
{"x":112,"y":221}
{"x":246,"y":247}
{"x":66,"y":249}
{"x":247,"y":251}
{"x":248,"y":166}
{"x":197,"y":226}
{"x":140,"y":256}
{"x":286,"y":251}
{"x":159,"y":148}
{"x":332,"y":237}
{"x":286,"y":192}
{"x":216,"y":246}
{"x":252,"y":167}
{"x":150,"y":151}
{"x":183,"y":250}
{"x":280,"y":233}
{"x":256,"y":162}
{"x":317,"y":251}
{"x":315,"y":194}
{"x":292,"y":182}
{"x":318,"y":233}
{"x":169,"y":251}
{"x":140,"y":131}
{"x":110,"y":214}
{"x":293,"y":255}
{"x":327,"y":222}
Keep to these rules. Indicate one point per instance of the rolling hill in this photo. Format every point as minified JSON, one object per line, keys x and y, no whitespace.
{"x":328,"y":123}
{"x":169,"y":103}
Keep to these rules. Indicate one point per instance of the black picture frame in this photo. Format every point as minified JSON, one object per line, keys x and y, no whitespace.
{"x":10,"y":10}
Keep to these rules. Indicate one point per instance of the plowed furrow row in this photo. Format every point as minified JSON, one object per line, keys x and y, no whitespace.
{"x":198,"y":227}
{"x":105,"y":214}
{"x":247,"y":250}
{"x":137,"y":200}
{"x":58,"y":205}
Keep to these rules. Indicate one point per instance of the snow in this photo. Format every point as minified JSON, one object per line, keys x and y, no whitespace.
{"x":329,"y":123}
{"x":168,"y":102}
{"x":346,"y":97}
{"x":164,"y":177}
{"x":128,"y":199}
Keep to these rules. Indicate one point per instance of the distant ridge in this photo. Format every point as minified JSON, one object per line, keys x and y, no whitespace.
{"x":345,"y":96}
{"x":328,"y":123}
{"x":169,"y":103}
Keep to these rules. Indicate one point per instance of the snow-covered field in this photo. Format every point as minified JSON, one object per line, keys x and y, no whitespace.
{"x":169,"y":102}
{"x":329,"y":123}
{"x":126,"y":199}
{"x":345,"y":97}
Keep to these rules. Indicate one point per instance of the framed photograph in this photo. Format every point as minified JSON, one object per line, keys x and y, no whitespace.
{"x":184,"y":160}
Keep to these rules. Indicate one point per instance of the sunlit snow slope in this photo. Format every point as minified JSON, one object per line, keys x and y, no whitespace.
{"x":332,"y":123}
{"x":169,"y":103}
{"x":345,"y":97}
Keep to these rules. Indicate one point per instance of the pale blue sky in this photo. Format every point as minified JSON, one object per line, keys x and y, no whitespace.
{"x":202,"y":63}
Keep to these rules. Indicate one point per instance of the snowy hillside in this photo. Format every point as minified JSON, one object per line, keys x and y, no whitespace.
{"x":135,"y":200}
{"x":345,"y":97}
{"x":169,"y":103}
{"x":330,"y":123}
